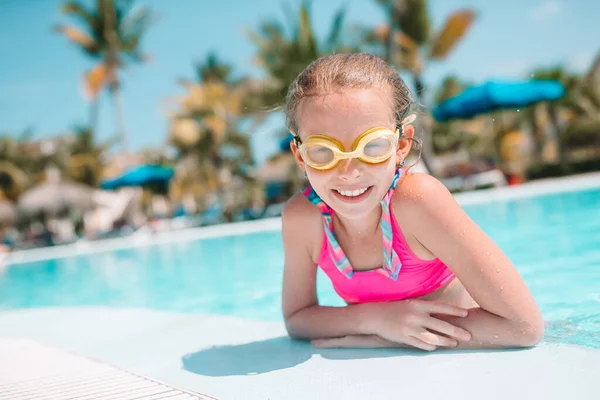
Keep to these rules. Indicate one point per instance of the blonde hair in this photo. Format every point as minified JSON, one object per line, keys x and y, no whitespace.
{"x":347,"y":71}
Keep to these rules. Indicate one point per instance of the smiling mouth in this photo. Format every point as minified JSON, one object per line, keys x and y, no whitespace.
{"x":355,"y":194}
{"x":351,"y":193}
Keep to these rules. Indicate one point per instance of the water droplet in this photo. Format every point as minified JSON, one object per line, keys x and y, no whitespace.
{"x":497,"y":270}
{"x":487,"y":253}
{"x":496,"y":336}
{"x":518,"y":110}
{"x":501,"y":288}
{"x":493,"y":119}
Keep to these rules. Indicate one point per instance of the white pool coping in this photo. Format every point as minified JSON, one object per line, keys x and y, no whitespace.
{"x":529,"y":189}
{"x":32,"y":371}
{"x":233,"y":358}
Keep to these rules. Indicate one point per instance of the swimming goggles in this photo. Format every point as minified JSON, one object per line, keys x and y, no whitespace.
{"x":373,"y":147}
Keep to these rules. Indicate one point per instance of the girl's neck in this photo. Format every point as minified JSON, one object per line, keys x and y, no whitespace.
{"x":365,"y":226}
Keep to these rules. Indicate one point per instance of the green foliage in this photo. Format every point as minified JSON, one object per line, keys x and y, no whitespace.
{"x":284,"y":53}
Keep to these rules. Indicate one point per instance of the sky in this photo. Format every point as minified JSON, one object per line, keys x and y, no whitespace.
{"x":41,"y":72}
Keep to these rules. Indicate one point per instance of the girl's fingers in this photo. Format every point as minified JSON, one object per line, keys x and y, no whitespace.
{"x":420,"y":344}
{"x":436,"y":340}
{"x":434,"y":307}
{"x":448,"y":329}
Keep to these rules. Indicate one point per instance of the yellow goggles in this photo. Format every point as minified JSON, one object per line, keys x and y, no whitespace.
{"x":374,"y":146}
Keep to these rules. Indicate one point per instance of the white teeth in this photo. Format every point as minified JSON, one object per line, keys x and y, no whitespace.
{"x":352,"y":193}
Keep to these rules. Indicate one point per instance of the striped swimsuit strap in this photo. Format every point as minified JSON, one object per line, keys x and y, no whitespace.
{"x":392,"y":264}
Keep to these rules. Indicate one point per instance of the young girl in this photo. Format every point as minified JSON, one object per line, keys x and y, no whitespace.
{"x":413,"y":268}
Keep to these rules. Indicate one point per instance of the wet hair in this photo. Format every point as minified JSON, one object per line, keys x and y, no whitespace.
{"x":347,"y":71}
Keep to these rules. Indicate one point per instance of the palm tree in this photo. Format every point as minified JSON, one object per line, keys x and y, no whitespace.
{"x":581,"y":103}
{"x":286,"y":48}
{"x":84,"y":160}
{"x":111,"y":34}
{"x":17,"y":158}
{"x":205,"y":131}
{"x":405,"y":40}
{"x":207,"y":115}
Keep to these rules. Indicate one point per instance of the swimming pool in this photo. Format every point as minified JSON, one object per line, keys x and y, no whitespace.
{"x":553,"y":239}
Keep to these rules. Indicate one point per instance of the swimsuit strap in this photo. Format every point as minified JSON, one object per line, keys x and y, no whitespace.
{"x":392,"y":263}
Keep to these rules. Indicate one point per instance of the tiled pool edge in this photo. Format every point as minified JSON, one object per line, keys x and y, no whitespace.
{"x":530,"y":189}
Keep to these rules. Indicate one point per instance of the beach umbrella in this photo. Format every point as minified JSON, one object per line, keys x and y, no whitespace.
{"x":284,"y":144}
{"x":139,"y":176}
{"x":54,"y":198}
{"x":497,"y":95}
{"x":8,"y":212}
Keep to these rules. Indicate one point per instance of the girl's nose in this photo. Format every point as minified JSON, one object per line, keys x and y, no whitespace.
{"x":349,"y":169}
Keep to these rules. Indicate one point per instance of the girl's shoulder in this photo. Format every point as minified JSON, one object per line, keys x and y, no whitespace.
{"x":417,"y":192}
{"x":302,"y":221}
{"x":413,"y":184}
{"x":298,"y":208}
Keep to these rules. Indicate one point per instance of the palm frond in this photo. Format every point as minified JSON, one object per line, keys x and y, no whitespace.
{"x":95,"y":79}
{"x":134,"y":25}
{"x":412,"y":18}
{"x":87,"y":18}
{"x":337,"y":25}
{"x":121,"y":8}
{"x":453,"y":30}
{"x":211,"y":69}
{"x":80,"y":38}
{"x":306,"y":38}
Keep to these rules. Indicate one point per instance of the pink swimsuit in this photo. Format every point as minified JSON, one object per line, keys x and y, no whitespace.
{"x":403,"y":274}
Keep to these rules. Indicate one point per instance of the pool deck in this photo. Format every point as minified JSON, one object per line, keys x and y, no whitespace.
{"x":232,"y":358}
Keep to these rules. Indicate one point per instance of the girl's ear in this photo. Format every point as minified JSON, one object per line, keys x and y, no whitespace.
{"x":405,"y":142}
{"x":297,"y":155}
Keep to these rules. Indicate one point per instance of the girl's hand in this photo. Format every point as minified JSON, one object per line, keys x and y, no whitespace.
{"x":413,"y":322}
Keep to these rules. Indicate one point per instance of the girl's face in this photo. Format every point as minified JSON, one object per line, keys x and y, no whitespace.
{"x":352,"y":188}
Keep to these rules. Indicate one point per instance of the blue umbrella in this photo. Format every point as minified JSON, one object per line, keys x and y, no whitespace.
{"x":284,"y":144}
{"x":498,"y":95}
{"x":138,"y":176}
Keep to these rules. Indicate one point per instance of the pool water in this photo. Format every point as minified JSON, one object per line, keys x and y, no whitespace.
{"x":554,"y":241}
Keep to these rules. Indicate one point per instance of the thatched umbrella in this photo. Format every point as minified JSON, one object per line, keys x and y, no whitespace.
{"x":55,"y":198}
{"x":8,"y":213}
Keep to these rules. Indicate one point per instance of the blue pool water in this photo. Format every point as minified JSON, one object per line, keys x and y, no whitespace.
{"x":554,"y":240}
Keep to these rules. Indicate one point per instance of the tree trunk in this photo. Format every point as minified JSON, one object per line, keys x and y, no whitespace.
{"x":538,"y":132}
{"x":562,"y":156}
{"x":119,"y":119}
{"x":94,"y":110}
{"x":427,"y":154}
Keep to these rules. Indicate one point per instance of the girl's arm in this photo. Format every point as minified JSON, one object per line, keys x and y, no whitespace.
{"x":487,"y":330}
{"x":302,"y":233}
{"x":509,"y":314}
{"x":403,"y":321}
